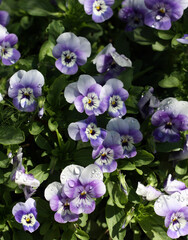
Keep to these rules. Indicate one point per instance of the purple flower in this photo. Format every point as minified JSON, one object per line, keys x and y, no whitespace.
{"x":71,"y":51}
{"x":4,"y":18}
{"x":24,"y":88}
{"x":173,"y":186}
{"x":115,"y":95}
{"x":84,"y":189}
{"x":85,"y":94}
{"x":59,"y":203}
{"x":26,"y":213}
{"x":8,"y":54}
{"x":148,"y":192}
{"x":128,"y":129}
{"x":108,"y":152}
{"x":132,"y":13}
{"x":163,"y":12}
{"x":99,"y":9}
{"x":26,"y":182}
{"x":148,"y":103}
{"x":184,"y":39}
{"x":86,"y":130}
{"x":41,"y":112}
{"x":168,"y":125}
{"x":110,"y":62}
{"x":176,"y":215}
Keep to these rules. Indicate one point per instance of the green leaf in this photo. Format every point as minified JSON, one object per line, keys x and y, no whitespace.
{"x":83,"y":156}
{"x":181,"y":168}
{"x":114,"y":219}
{"x":143,"y":158}
{"x":83,"y":220}
{"x":126,"y":165}
{"x":159,"y":46}
{"x":69,"y":235}
{"x":169,"y":146}
{"x":41,"y":172}
{"x":21,"y":235}
{"x":151,"y":224}
{"x":80,"y":234}
{"x":46,"y":50}
{"x":42,"y":142}
{"x":54,"y":29}
{"x":170,"y":81}
{"x":36,"y":128}
{"x":53,"y":125}
{"x":4,"y":160}
{"x":165,"y":35}
{"x":11,"y":135}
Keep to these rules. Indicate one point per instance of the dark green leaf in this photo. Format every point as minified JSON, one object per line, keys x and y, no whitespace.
{"x":11,"y":135}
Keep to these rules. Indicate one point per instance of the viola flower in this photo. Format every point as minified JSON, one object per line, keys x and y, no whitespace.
{"x":99,"y":9}
{"x":110,"y":62}
{"x":184,"y":39}
{"x":168,"y":125}
{"x":108,"y":152}
{"x":148,"y":103}
{"x":59,"y":203}
{"x":132,"y":13}
{"x":8,"y":54}
{"x":172,"y":186}
{"x":26,"y":213}
{"x":86,"y":130}
{"x":163,"y":12}
{"x":25,"y":88}
{"x":84,"y":189}
{"x":175,"y":213}
{"x":128,"y":129}
{"x":149,"y":192}
{"x":85,"y":94}
{"x":71,"y":51}
{"x":115,"y":95}
{"x":4,"y":18}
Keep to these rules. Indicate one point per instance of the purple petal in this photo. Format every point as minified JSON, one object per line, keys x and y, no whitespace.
{"x":71,"y":172}
{"x":84,"y":83}
{"x":96,"y":189}
{"x":79,"y":104}
{"x":78,"y":205}
{"x":4,"y":18}
{"x":52,"y":189}
{"x":64,"y":69}
{"x":104,"y":16}
{"x":12,"y":39}
{"x":71,"y":92}
{"x":91,"y":173}
{"x":69,"y":40}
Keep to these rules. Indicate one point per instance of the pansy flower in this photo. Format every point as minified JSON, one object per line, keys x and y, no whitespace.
{"x":110,"y":62}
{"x":108,"y":152}
{"x":84,"y":189}
{"x":184,"y":39}
{"x":172,"y":186}
{"x":86,"y":130}
{"x":163,"y":12}
{"x":25,"y":88}
{"x":99,"y":9}
{"x":85,"y":94}
{"x":8,"y":54}
{"x":128,"y":129}
{"x":175,"y":212}
{"x":149,"y":192}
{"x":114,"y":93}
{"x":132,"y":13}
{"x":26,"y":213}
{"x":59,"y":203}
{"x":71,"y":51}
{"x":148,"y":103}
{"x":4,"y":18}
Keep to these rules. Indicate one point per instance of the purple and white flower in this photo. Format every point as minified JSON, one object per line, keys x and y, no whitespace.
{"x":26,"y":213}
{"x":108,"y":152}
{"x":99,"y":9}
{"x":59,"y":203}
{"x":84,"y":189}
{"x":85,"y":94}
{"x":114,"y":93}
{"x":86,"y":130}
{"x":149,"y":192}
{"x":148,"y":103}
{"x":8,"y":54}
{"x":71,"y":51}
{"x":175,"y":212}
{"x":4,"y":18}
{"x":172,"y":186}
{"x":184,"y":39}
{"x":26,"y":182}
{"x":163,"y":12}
{"x":25,"y":88}
{"x":110,"y":62}
{"x":132,"y":13}
{"x":128,"y":129}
